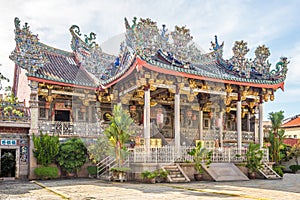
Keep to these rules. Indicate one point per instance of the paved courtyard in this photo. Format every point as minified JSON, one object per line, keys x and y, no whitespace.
{"x":86,"y":189}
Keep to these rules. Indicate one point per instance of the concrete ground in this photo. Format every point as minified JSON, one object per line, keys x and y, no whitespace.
{"x":86,"y":189}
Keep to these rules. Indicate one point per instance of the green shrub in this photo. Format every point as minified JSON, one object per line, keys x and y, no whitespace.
{"x":46,"y":148}
{"x":294,"y":168}
{"x":92,"y":170}
{"x":278,"y":169}
{"x":46,"y":172}
{"x":72,"y":155}
{"x":149,"y":175}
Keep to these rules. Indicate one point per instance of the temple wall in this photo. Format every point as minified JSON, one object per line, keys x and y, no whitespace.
{"x":23,"y":90}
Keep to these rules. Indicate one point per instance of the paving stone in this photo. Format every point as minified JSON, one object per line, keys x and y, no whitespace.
{"x":88,"y":189}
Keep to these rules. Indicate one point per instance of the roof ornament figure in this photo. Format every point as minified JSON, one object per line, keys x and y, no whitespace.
{"x":27,"y":54}
{"x":164,"y":30}
{"x":90,"y":40}
{"x":238,"y":61}
{"x":281,"y":67}
{"x":75,"y":29}
{"x":216,"y":45}
{"x":261,"y":65}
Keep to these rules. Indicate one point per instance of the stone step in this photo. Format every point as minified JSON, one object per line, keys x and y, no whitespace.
{"x":176,"y":175}
{"x":179,"y":179}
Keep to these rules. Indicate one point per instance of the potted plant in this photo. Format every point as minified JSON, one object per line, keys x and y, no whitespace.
{"x":119,"y":173}
{"x":162,"y":176}
{"x":200,"y":156}
{"x":118,"y":133}
{"x":92,"y":170}
{"x":149,"y":177}
{"x":254,"y":158}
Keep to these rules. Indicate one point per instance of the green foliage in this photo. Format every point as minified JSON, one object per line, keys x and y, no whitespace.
{"x":295,"y":152}
{"x":294,"y":168}
{"x":149,"y":175}
{"x":118,"y":132}
{"x":254,"y":157}
{"x":120,"y":169}
{"x":7,"y":163}
{"x":278,"y":169}
{"x":72,"y":155}
{"x":10,"y":105}
{"x":276,"y":136}
{"x":46,"y":148}
{"x":92,"y":170}
{"x":46,"y":172}
{"x":163,"y":173}
{"x":201,"y":155}
{"x":98,"y":150}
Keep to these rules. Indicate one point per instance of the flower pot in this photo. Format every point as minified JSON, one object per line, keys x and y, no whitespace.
{"x":198,"y":177}
{"x":251,"y":175}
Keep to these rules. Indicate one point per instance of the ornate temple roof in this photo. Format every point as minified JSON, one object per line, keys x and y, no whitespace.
{"x":145,"y":46}
{"x":47,"y":63}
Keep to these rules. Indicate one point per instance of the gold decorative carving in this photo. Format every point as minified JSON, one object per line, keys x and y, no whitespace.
{"x":172,"y":90}
{"x":228,"y":89}
{"x":152,"y":88}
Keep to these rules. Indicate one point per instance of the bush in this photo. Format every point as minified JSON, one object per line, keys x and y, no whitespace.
{"x":149,"y":175}
{"x":72,"y":155}
{"x":278,"y":169}
{"x":294,"y":168}
{"x":46,"y":148}
{"x":46,"y":172}
{"x":92,"y":170}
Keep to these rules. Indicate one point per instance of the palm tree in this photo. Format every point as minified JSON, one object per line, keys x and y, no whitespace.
{"x":119,"y":132}
{"x":276,"y":135}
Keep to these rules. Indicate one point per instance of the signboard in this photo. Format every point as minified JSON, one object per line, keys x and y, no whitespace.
{"x":8,"y":142}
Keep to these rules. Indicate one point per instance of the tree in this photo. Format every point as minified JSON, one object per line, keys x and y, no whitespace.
{"x":46,"y":148}
{"x":118,"y":132}
{"x":276,"y":135}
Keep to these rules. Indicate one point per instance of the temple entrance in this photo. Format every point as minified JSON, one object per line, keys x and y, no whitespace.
{"x":8,"y":163}
{"x":62,"y":115}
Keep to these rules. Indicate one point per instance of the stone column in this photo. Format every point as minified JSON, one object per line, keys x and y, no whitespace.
{"x":239,"y":124}
{"x":260,"y":126}
{"x":34,"y":112}
{"x":221,"y":128}
{"x":177,"y":119}
{"x":201,"y":125}
{"x":248,"y":121}
{"x":147,"y":117}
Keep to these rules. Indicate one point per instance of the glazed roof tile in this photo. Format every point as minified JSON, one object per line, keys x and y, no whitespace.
{"x":63,"y":68}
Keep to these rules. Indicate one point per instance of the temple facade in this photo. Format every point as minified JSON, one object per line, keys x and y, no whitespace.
{"x":176,"y":94}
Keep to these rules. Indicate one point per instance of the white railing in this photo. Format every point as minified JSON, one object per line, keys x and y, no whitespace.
{"x":82,"y":129}
{"x":170,"y":154}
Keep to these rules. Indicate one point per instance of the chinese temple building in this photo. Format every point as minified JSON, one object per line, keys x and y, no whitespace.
{"x":176,"y":94}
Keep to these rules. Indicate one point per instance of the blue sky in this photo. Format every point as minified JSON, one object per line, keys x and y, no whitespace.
{"x":273,"y":23}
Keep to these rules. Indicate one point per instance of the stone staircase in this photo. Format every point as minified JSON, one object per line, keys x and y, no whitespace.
{"x":176,"y":174}
{"x":268,"y":172}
